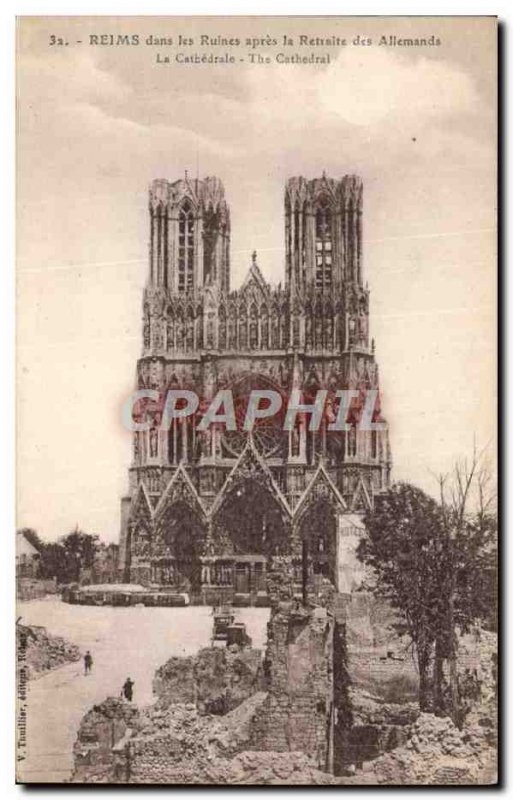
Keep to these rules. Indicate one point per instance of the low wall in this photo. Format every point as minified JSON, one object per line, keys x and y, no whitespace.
{"x":35,"y":588}
{"x":117,"y":597}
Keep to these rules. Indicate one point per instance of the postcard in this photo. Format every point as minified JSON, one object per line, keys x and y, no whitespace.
{"x":257,"y":401}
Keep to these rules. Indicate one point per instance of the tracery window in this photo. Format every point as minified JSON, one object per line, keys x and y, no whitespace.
{"x":190,"y":330}
{"x":243,"y":330}
{"x":179,"y":333}
{"x":323,"y":246}
{"x":253,"y":328}
{"x":170,"y":329}
{"x":275,"y":331}
{"x":222,"y":329}
{"x":232,"y":330}
{"x":295,"y":331}
{"x":297,"y":252}
{"x":210,"y":332}
{"x":185,"y":248}
{"x":264,"y":328}
{"x":210,"y":232}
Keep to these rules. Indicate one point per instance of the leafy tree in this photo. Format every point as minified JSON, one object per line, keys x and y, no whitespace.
{"x":436,"y":564}
{"x":79,"y":553}
{"x":400,"y":547}
{"x":53,"y":561}
{"x":65,"y":558}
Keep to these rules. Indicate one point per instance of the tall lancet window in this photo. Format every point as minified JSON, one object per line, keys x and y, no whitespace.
{"x":210,"y":228}
{"x":297,"y":252}
{"x":323,"y":246}
{"x":185,"y":248}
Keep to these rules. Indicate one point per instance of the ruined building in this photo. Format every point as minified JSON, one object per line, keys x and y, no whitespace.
{"x":205,"y":510}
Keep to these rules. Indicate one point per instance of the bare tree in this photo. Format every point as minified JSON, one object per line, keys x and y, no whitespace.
{"x":467,"y":557}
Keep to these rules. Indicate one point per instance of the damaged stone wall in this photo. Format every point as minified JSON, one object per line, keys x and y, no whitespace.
{"x":101,"y":740}
{"x":296,"y":715}
{"x":177,"y":745}
{"x":209,"y":725}
{"x":298,"y":712}
{"x":315,"y":710}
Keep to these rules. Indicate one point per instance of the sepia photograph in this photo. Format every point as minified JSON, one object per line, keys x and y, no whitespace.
{"x":256,"y":400}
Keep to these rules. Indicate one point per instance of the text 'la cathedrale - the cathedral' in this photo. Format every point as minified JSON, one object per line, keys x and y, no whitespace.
{"x":206,"y":509}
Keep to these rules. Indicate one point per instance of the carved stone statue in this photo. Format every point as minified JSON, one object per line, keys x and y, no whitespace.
{"x":154,"y":442}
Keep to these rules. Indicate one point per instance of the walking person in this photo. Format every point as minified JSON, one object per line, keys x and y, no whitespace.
{"x":128,"y":689}
{"x":88,"y":663}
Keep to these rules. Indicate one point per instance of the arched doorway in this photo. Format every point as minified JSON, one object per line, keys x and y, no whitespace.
{"x":252,"y":519}
{"x":251,"y":526}
{"x":183,"y":535}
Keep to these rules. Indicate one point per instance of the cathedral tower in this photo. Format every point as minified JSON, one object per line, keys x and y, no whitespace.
{"x":323,"y":233}
{"x":189,"y":235}
{"x":329,"y":305}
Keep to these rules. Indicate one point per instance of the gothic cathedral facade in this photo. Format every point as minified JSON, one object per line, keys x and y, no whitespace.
{"x":205,"y":510}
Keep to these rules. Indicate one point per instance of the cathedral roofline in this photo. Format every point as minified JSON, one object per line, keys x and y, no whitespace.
{"x":341,"y":191}
{"x":205,"y":192}
{"x":254,"y":274}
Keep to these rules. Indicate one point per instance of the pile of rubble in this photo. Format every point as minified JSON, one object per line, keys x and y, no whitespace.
{"x":220,"y":719}
{"x":270,"y":768}
{"x":436,"y":753}
{"x":179,"y":745}
{"x":39,"y":651}
{"x":203,"y":716}
{"x":368,"y":710}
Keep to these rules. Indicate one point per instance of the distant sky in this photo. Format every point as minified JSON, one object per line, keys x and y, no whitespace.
{"x":97,"y":124}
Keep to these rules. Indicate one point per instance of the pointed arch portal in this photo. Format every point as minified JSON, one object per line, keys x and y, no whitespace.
{"x":183,"y":536}
{"x":249,"y":526}
{"x":252,"y":520}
